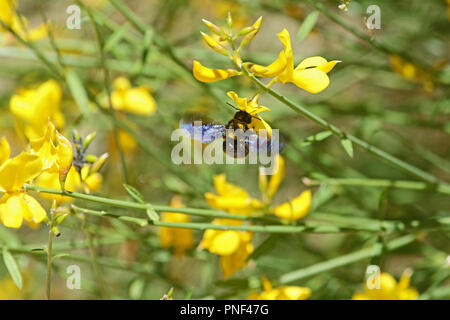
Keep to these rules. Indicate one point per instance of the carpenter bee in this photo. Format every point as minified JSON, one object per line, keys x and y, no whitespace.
{"x":239,"y":137}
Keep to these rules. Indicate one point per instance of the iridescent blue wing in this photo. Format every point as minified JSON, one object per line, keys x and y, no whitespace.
{"x":205,"y":133}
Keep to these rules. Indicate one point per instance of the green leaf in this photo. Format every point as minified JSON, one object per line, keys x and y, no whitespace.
{"x":78,"y":91}
{"x":134,"y":193}
{"x":307,"y":25}
{"x":151,"y":213}
{"x":317,"y":137}
{"x":59,"y":255}
{"x":12,"y":267}
{"x":348,"y":146}
{"x":115,"y":38}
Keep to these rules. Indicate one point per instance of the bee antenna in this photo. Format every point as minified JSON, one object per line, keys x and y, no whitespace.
{"x":234,"y":107}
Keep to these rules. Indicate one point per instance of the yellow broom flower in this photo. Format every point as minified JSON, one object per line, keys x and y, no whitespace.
{"x":33,"y":107}
{"x":15,"y":205}
{"x":137,"y":100}
{"x":233,"y":247}
{"x":231,"y":198}
{"x":181,"y":239}
{"x":280,"y":293}
{"x":390,"y":289}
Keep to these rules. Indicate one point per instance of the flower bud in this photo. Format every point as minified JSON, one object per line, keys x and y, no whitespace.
{"x":97,"y":165}
{"x":229,"y":20}
{"x":249,"y":37}
{"x":215,"y":45}
{"x":215,"y":29}
{"x":64,"y":157}
{"x":87,"y":141}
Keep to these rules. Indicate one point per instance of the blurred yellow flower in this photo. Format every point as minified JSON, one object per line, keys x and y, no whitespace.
{"x":280,"y":293}
{"x":411,"y":72}
{"x":296,"y":208}
{"x":389,"y":289}
{"x":233,"y":247}
{"x":236,"y":200}
{"x":15,"y":205}
{"x":181,"y":239}
{"x":136,"y":100}
{"x":18,"y":23}
{"x":33,"y":107}
{"x":231,"y":198}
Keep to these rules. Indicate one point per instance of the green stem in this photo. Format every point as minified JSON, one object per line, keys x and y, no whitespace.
{"x":107,"y":85}
{"x":383,"y":183}
{"x":140,"y":206}
{"x":433,"y":181}
{"x":49,"y":256}
{"x":344,"y":260}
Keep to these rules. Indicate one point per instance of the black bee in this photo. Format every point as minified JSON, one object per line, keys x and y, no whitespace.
{"x":238,"y":138}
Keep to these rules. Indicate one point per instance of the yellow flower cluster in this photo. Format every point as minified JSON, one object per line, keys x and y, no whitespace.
{"x":390,"y":289}
{"x":234,"y":247}
{"x":181,"y":239}
{"x":51,"y":152}
{"x":411,"y":72}
{"x":280,"y":293}
{"x":32,"y":107}
{"x":18,"y":23}
{"x":310,"y":74}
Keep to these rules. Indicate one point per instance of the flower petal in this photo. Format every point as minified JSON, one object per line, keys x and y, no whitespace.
{"x":273,"y":69}
{"x":225,"y":243}
{"x":311,"y":80}
{"x":139,"y":101}
{"x":296,"y":208}
{"x":285,"y":38}
{"x":311,"y":62}
{"x":205,"y":74}
{"x":11,"y":212}
{"x":33,"y":210}
{"x":5,"y":150}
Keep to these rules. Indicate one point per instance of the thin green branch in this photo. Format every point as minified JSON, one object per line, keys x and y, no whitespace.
{"x":344,"y":260}
{"x":107,"y":85}
{"x":426,"y":177}
{"x":381,"y":183}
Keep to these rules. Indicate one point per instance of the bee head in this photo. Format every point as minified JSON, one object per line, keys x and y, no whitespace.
{"x":243,"y":116}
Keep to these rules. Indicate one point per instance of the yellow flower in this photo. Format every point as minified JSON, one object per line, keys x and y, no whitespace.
{"x":277,"y":178}
{"x":136,"y":100}
{"x":204,"y":74}
{"x":180,"y":239}
{"x":253,"y":108}
{"x":389,"y":289}
{"x":411,"y":72}
{"x":35,"y":106}
{"x":10,"y":291}
{"x":7,"y":11}
{"x":310,"y":74}
{"x":19,"y":24}
{"x":233,"y":247}
{"x":280,"y":293}
{"x":296,"y":208}
{"x":87,"y":182}
{"x":231,"y":198}
{"x":15,"y":205}
{"x":55,"y":151}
